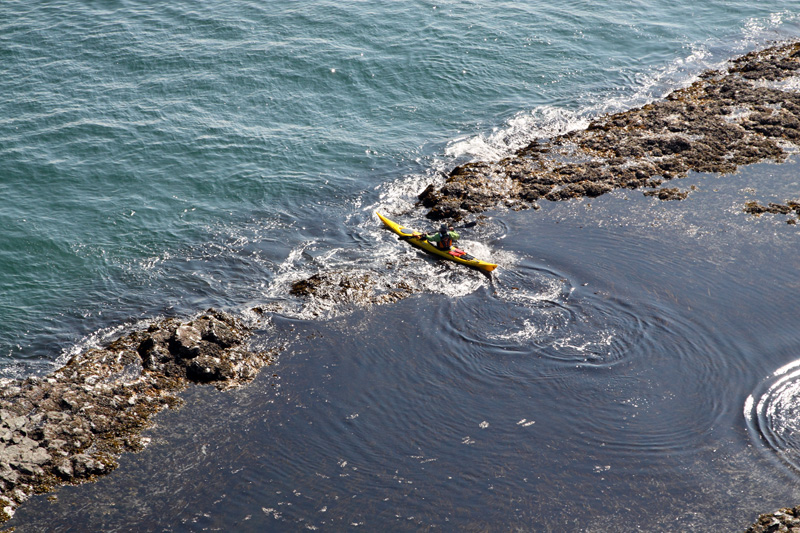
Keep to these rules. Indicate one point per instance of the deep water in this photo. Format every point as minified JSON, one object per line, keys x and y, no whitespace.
{"x":629,"y":365}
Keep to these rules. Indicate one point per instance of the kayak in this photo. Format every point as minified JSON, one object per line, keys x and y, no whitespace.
{"x":454,"y":254}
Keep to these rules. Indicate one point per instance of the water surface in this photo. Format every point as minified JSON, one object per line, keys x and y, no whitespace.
{"x":630,"y":364}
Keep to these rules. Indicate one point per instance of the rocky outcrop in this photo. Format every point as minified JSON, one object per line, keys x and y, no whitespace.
{"x":792,"y":207}
{"x":665,"y":193}
{"x":785,"y":520}
{"x":722,"y":121}
{"x":71,"y":426}
{"x":337,"y":289}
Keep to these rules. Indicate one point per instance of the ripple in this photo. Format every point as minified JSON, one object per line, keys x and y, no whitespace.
{"x":533,"y":311}
{"x":773,"y":413}
{"x":653,"y":407}
{"x":629,"y":373}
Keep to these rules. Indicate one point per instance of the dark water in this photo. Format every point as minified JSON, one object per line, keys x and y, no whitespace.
{"x":632,"y":364}
{"x":595,"y":383}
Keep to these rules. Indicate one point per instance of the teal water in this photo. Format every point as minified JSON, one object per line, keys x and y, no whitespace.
{"x":158,"y":160}
{"x":138,"y":141}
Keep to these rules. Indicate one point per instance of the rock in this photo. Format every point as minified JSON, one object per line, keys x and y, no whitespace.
{"x":334,"y":289}
{"x":306,"y":287}
{"x":16,"y":422}
{"x":429,"y":197}
{"x":154,"y":356}
{"x":720,"y":122}
{"x":780,"y":208}
{"x":205,"y":369}
{"x":218,"y":332}
{"x":8,"y":474}
{"x":185,"y":342}
{"x":787,"y":519}
{"x":129,"y":373}
{"x":56,"y":445}
{"x":30,"y":469}
{"x":756,"y":209}
{"x":70,"y":426}
{"x":64,"y":470}
{"x":668,"y":194}
{"x":593,"y":190}
{"x":81,"y":465}
{"x":39,"y":456}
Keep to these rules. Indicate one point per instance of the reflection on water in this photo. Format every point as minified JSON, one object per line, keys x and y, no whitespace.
{"x":773,"y":413}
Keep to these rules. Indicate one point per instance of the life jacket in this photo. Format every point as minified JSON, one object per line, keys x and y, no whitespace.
{"x":445,"y":241}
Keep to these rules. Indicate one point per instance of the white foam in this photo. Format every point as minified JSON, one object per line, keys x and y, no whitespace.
{"x":525,"y":127}
{"x":400,"y":195}
{"x":791,"y":84}
{"x":97,"y":339}
{"x":758,"y":31}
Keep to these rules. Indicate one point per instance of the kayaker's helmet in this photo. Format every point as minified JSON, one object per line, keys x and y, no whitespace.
{"x":443,"y":229}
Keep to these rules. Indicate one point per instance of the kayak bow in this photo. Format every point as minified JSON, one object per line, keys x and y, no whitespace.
{"x":454,"y":254}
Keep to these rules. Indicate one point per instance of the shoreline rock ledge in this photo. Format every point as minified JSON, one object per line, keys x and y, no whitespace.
{"x":71,"y":426}
{"x":746,"y":114}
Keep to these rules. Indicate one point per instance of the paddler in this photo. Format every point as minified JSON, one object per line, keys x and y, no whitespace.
{"x":443,"y":239}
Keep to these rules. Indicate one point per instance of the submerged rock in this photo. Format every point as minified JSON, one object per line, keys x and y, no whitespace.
{"x":756,"y":209}
{"x":668,"y":193}
{"x":722,"y":121}
{"x":326,"y":290}
{"x":70,"y":426}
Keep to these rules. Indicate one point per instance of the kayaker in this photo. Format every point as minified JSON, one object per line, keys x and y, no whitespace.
{"x":444,"y":238}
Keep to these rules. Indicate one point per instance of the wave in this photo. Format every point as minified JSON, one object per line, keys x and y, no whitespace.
{"x":548,"y":121}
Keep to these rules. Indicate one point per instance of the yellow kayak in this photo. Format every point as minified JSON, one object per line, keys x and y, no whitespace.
{"x":454,"y":254}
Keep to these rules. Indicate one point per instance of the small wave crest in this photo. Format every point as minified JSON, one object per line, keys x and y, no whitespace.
{"x":638,"y":88}
{"x":519,"y":131}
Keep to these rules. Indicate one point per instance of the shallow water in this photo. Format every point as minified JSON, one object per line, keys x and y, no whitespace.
{"x":630,"y":364}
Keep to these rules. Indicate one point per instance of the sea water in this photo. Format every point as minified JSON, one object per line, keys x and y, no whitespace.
{"x":623,"y":361}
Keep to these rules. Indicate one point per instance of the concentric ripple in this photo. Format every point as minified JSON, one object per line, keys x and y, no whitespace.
{"x":773,"y":413}
{"x":535,"y":311}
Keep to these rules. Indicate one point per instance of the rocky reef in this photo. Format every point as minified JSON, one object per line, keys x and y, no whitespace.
{"x":721,"y":121}
{"x":327,"y":293}
{"x":72,"y":425}
{"x":792,"y":207}
{"x":342,"y":288}
{"x":785,"y":520}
